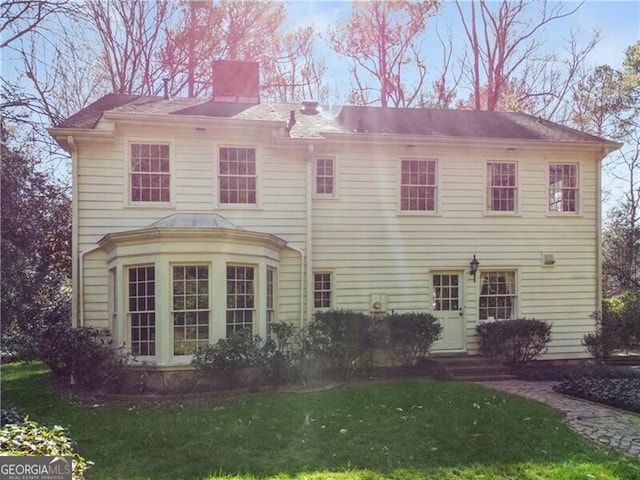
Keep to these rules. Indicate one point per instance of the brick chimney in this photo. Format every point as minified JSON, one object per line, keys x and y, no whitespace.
{"x":236,"y":81}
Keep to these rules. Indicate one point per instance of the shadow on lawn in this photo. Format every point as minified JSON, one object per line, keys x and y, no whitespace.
{"x":371,"y":429}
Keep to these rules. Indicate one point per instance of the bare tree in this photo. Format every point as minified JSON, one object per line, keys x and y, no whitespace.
{"x":130,"y":33}
{"x":505,"y":41}
{"x":297,"y":73}
{"x":20,"y":17}
{"x":382,"y":40}
{"x":225,"y":29}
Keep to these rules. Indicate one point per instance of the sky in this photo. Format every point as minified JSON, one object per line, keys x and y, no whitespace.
{"x":617,"y":21}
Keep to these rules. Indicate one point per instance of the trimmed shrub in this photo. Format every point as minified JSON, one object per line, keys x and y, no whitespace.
{"x":85,"y":355}
{"x":231,"y":356}
{"x":31,"y":439}
{"x":516,"y":342}
{"x":341,"y":339}
{"x":279,"y":354}
{"x":408,"y":337}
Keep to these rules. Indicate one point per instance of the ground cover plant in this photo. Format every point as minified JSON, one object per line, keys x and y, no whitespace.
{"x":618,"y":392}
{"x":409,"y":429}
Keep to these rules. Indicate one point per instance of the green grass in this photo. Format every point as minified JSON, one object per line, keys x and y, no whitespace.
{"x":378,"y":430}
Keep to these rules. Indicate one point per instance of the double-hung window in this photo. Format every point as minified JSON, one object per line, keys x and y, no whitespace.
{"x":498,"y":295}
{"x":418,"y":186}
{"x":322,"y":289}
{"x":325,"y":177}
{"x":240,"y":298}
{"x":142,"y":310}
{"x":563,"y":188}
{"x":149,"y":173}
{"x":271,"y":306}
{"x":237,"y":175}
{"x":190,"y":298}
{"x":502,"y":187}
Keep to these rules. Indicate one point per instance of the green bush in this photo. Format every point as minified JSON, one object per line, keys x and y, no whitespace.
{"x":279,"y":354}
{"x":85,"y":355}
{"x":609,"y":335}
{"x":32,"y":439}
{"x":625,"y":308}
{"x":408,"y":337}
{"x":340,"y":338}
{"x":231,"y":357}
{"x":516,"y":342}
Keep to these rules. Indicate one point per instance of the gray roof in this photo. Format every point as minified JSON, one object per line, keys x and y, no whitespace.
{"x":343,"y":119}
{"x":195,"y":220}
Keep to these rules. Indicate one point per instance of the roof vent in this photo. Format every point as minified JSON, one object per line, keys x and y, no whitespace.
{"x":309,"y":107}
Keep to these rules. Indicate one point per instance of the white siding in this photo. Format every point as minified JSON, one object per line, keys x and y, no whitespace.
{"x":361,"y":236}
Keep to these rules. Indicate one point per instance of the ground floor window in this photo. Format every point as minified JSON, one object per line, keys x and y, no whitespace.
{"x":322,"y":290}
{"x":271,"y":310}
{"x":142,"y":310}
{"x":497,"y":295}
{"x":240,"y":298}
{"x":190,"y":301}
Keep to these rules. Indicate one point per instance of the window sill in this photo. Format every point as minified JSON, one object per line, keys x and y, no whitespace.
{"x":154,"y":205}
{"x":564,"y":215}
{"x":418,"y":213}
{"x":502,"y":214}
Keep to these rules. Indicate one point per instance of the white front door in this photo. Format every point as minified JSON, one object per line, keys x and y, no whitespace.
{"x":448,"y":309}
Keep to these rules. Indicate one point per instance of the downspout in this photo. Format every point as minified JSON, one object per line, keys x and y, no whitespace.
{"x":73,"y":150}
{"x":80,"y":322}
{"x":599,"y":232}
{"x":302,"y":281}
{"x":309,"y":232}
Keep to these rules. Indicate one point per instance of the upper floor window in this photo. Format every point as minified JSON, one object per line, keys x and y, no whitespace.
{"x":418,"y":186}
{"x":190,"y":298}
{"x":325,"y":176}
{"x":322,"y":290}
{"x":563,"y":188}
{"x":497,"y":295}
{"x":501,"y":186}
{"x":237,"y":170}
{"x":149,"y":173}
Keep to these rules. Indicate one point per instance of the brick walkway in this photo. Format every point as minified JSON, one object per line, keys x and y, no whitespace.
{"x":604,"y":425}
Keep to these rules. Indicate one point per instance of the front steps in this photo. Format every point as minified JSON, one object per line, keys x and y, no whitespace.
{"x":474,"y":368}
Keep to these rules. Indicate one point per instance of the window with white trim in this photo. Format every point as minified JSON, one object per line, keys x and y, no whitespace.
{"x":149,"y":173}
{"x":271,"y":308}
{"x":418,"y":185}
{"x":237,"y":175}
{"x":322,"y":289}
{"x":501,"y":187}
{"x":325,"y":176}
{"x":142,"y":310}
{"x":190,"y":302}
{"x":240,"y":298}
{"x":563,"y":188}
{"x":497,"y":295}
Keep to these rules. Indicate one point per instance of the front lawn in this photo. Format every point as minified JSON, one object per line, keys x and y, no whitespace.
{"x":411,"y":429}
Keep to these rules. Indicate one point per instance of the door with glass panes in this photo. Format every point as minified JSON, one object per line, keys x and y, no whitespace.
{"x":448,"y":309}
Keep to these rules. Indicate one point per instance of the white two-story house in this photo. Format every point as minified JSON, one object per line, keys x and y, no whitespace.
{"x":194,"y":218}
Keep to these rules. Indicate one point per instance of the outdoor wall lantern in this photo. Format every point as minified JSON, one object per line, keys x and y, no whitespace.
{"x":473,"y":267}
